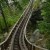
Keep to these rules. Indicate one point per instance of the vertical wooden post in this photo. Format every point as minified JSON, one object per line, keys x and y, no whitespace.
{"x":33,"y":47}
{"x":2,"y":47}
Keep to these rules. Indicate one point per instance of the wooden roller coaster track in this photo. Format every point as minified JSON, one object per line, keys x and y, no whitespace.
{"x":16,"y":39}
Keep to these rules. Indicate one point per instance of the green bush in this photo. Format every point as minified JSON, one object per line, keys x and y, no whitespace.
{"x":44,"y":26}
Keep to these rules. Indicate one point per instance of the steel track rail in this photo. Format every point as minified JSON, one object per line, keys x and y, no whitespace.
{"x":28,"y":43}
{"x":21,"y":37}
{"x":5,"y":44}
{"x":33,"y":46}
{"x":17,"y":32}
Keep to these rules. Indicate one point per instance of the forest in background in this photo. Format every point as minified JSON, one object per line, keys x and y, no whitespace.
{"x":10,"y":13}
{"x":44,"y":25}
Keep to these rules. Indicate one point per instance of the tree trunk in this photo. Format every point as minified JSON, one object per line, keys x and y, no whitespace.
{"x":3,"y":17}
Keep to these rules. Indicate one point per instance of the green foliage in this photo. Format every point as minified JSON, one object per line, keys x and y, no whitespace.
{"x":11,"y":13}
{"x":48,"y":44}
{"x":36,"y":4}
{"x":44,"y":26}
